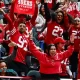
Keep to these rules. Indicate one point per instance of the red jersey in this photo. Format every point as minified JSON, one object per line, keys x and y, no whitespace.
{"x":54,"y":30}
{"x":48,"y":64}
{"x":22,"y":42}
{"x":20,"y":39}
{"x":64,"y":63}
{"x":76,"y":32}
{"x":2,"y":34}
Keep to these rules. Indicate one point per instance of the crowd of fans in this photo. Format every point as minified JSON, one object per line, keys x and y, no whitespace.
{"x":47,"y":42}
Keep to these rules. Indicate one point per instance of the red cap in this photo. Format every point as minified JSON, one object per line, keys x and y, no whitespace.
{"x":59,"y":40}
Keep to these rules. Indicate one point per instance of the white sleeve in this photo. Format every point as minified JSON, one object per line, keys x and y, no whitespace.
{"x":68,"y":70}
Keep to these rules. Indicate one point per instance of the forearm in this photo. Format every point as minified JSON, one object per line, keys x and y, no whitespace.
{"x":68,"y":70}
{"x":47,"y":13}
{"x":11,"y":56}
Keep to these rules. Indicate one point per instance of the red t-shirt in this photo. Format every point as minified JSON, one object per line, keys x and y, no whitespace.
{"x":2,"y":34}
{"x":76,"y":32}
{"x":22,"y":42}
{"x":54,"y":30}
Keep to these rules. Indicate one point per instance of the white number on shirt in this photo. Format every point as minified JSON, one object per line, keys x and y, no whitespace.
{"x":56,"y":30}
{"x":22,"y":42}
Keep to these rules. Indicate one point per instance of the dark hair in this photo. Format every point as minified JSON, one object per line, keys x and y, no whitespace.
{"x":41,"y":10}
{"x":1,"y":60}
{"x":22,"y":22}
{"x":49,"y":47}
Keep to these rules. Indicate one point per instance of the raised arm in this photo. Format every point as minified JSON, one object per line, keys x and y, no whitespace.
{"x":11,"y":56}
{"x":34,"y":49}
{"x":7,"y":17}
{"x":34,"y":16}
{"x":70,"y":49}
{"x":12,"y":10}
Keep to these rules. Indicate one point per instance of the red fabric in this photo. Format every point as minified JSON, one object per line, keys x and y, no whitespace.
{"x":22,"y":43}
{"x":76,"y":32}
{"x":48,"y":64}
{"x":50,"y":3}
{"x":2,"y":4}
{"x":64,"y":63}
{"x":20,"y":39}
{"x":32,"y":21}
{"x":24,"y":6}
{"x":2,"y":34}
{"x":54,"y":30}
{"x":59,"y":40}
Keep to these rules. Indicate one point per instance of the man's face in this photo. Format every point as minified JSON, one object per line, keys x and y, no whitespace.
{"x":22,"y":27}
{"x":3,"y":66}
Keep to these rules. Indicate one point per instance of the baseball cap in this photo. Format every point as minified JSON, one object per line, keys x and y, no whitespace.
{"x":59,"y":40}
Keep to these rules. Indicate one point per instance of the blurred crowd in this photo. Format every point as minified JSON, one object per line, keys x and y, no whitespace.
{"x":54,"y":25}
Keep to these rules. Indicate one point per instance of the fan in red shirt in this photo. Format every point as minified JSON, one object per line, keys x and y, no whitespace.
{"x":50,"y":63}
{"x":75,"y":30}
{"x":56,"y":27}
{"x":60,"y":47}
{"x":30,"y":21}
{"x":18,"y":37}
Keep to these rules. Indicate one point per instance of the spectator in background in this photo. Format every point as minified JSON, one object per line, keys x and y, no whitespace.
{"x":56,"y":27}
{"x":75,"y":30}
{"x":60,"y":47}
{"x":40,"y":20}
{"x":71,"y":7}
{"x":40,"y":23}
{"x":4,"y":71}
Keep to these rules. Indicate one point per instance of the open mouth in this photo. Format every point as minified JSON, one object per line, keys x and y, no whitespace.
{"x":0,"y":31}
